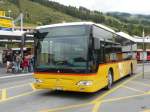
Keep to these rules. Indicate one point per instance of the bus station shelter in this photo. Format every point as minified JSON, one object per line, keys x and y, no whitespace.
{"x":11,"y":38}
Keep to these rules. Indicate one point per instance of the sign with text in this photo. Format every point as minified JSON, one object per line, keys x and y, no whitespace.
{"x":6,"y":23}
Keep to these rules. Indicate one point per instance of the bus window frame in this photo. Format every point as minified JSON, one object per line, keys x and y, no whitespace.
{"x":90,"y":48}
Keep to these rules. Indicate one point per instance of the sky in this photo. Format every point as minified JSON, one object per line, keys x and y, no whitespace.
{"x":130,"y":6}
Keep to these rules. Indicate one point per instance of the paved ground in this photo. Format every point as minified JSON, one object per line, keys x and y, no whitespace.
{"x":131,"y":94}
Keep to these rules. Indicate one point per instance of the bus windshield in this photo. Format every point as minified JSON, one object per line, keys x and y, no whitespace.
{"x":62,"y":49}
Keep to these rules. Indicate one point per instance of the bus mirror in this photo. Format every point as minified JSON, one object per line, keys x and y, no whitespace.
{"x":96,"y":43}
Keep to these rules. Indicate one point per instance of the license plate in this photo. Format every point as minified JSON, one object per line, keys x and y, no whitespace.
{"x":59,"y":88}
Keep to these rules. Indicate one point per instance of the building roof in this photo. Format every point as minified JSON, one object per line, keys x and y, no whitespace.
{"x":11,"y":34}
{"x":140,"y":40}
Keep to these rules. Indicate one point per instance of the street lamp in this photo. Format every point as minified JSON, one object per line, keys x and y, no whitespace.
{"x":9,"y":12}
{"x":143,"y":50}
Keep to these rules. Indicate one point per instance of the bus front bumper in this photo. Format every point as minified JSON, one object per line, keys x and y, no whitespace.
{"x":88,"y":87}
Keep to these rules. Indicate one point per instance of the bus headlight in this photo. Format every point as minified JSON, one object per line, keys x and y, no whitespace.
{"x":38,"y":81}
{"x":85,"y":83}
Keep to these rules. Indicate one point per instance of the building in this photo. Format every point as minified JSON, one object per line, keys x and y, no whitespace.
{"x":139,"y":46}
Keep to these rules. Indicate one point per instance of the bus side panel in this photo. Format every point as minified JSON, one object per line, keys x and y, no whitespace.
{"x":124,"y":68}
{"x":120,"y":70}
{"x":69,"y":82}
{"x":102,"y":74}
{"x":101,"y":80}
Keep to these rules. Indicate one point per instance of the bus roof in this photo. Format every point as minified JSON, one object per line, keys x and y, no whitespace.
{"x":76,"y":23}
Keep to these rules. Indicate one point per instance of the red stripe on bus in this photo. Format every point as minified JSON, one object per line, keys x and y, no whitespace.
{"x":49,"y":73}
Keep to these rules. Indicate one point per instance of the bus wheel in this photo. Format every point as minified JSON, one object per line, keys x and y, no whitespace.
{"x":131,"y":72}
{"x":110,"y":80}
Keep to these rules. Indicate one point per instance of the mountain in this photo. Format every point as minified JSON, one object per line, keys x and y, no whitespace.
{"x":131,"y":18}
{"x":41,"y":12}
{"x":35,"y":13}
{"x":131,"y":26}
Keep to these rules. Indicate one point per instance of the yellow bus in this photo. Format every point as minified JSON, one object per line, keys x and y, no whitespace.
{"x":81,"y":57}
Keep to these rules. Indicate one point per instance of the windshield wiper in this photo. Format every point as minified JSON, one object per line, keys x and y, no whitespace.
{"x":66,"y":63}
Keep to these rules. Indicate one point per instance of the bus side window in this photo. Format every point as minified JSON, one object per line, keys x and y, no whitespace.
{"x":102,"y":52}
{"x":99,"y":52}
{"x":108,"y":51}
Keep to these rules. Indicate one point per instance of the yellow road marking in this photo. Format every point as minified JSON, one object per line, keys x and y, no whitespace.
{"x":65,"y":107}
{"x":97,"y":101}
{"x":96,"y":107}
{"x":125,"y":97}
{"x":114,"y":89}
{"x":33,"y":88}
{"x":148,"y":92}
{"x":4,"y":94}
{"x":140,"y":83}
{"x":4,"y":91}
{"x":31,"y":84}
{"x":146,"y":110}
{"x":17,"y":96}
{"x":111,"y":91}
{"x":133,"y":89}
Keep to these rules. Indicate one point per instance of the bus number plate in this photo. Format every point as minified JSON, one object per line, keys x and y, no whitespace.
{"x":59,"y":88}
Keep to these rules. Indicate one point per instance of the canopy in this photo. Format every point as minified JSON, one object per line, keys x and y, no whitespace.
{"x":13,"y":35}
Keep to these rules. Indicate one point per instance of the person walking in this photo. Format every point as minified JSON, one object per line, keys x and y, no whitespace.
{"x":18,"y":62}
{"x":9,"y":59}
{"x":25,"y":64}
{"x":31,"y":62}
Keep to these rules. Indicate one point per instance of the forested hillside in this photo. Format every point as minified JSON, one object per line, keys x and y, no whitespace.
{"x":132,"y":26}
{"x":35,"y":13}
{"x":41,"y":12}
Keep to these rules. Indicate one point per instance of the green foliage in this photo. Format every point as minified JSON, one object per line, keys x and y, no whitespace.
{"x":41,"y":12}
{"x":35,"y":13}
{"x":135,"y":23}
{"x":132,"y":24}
{"x":5,"y":5}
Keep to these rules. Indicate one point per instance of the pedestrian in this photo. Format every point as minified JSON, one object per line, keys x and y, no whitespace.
{"x":9,"y":59}
{"x":4,"y":61}
{"x":25,"y":64}
{"x":30,"y":57}
{"x":31,"y":63}
{"x":18,"y":62}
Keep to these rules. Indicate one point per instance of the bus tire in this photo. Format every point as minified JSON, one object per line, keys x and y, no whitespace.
{"x":110,"y":79}
{"x":131,"y":67}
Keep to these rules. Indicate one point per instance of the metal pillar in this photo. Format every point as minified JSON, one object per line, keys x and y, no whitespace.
{"x":21,"y":22}
{"x":22,"y":45}
{"x":143,"y":53}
